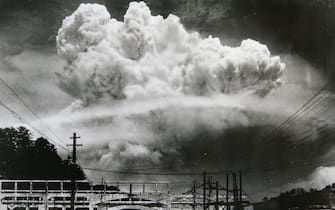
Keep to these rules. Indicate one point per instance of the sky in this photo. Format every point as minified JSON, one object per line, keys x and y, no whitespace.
{"x":150,"y":93}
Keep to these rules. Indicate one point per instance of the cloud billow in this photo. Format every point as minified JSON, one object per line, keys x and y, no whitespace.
{"x":151,"y":93}
{"x":147,"y":56}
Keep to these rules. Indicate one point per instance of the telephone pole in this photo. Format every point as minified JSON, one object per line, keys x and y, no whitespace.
{"x":194,"y":191}
{"x":74,"y":164}
{"x":217,"y":195}
{"x":204,"y":191}
{"x":227,"y":191}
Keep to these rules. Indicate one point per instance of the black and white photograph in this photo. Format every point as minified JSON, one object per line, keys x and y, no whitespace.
{"x":167,"y":105}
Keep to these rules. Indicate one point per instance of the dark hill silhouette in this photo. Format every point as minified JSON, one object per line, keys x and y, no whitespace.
{"x":21,"y":157}
{"x":300,"y":199}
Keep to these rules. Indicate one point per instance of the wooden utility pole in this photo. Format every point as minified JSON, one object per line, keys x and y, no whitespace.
{"x":235,"y":189}
{"x":210,"y":188}
{"x":194,"y":195}
{"x":130,"y":191}
{"x":240,"y":186}
{"x":102,"y":183}
{"x":74,"y":164}
{"x":227,"y":192}
{"x":204,"y":190}
{"x":217,"y":195}
{"x":143,"y":188}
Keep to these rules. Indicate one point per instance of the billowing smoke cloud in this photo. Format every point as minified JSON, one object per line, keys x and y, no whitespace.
{"x":157,"y":128}
{"x":146,"y":56}
{"x":164,"y":120}
{"x":119,"y":155}
{"x":151,"y":93}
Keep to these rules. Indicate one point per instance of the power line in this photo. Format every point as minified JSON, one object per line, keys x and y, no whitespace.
{"x":143,"y":173}
{"x":28,"y":107}
{"x":327,"y":123}
{"x":139,"y":182}
{"x":300,"y":111}
{"x":308,"y":110}
{"x":292,"y":118}
{"x":19,"y":117}
{"x":315,"y":133}
{"x":219,"y":172}
{"x":296,"y":113}
{"x":252,"y":170}
{"x":310,"y":134}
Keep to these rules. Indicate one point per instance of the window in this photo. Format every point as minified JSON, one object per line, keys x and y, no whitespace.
{"x":8,"y":185}
{"x":99,"y":187}
{"x":67,"y":185}
{"x":8,"y":198}
{"x":39,"y":186}
{"x":54,"y":185}
{"x":83,"y":186}
{"x":23,"y":186}
{"x":81,"y":199}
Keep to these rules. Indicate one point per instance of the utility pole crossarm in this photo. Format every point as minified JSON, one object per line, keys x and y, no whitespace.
{"x":74,"y":146}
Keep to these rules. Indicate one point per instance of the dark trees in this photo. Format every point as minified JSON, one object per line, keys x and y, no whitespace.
{"x":23,"y":158}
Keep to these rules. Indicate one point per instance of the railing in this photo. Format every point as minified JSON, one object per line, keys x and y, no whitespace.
{"x":56,"y":192}
{"x":53,"y":186}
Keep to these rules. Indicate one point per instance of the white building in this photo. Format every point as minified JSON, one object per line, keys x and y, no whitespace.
{"x":56,"y":195}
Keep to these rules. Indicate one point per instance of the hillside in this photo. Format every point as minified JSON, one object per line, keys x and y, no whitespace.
{"x":300,"y":199}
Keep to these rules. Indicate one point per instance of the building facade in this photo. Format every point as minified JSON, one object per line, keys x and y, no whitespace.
{"x":56,"y":195}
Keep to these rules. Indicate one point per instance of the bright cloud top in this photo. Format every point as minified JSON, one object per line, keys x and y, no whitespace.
{"x":147,"y":56}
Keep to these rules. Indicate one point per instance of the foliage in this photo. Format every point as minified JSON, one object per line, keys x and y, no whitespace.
{"x":24,"y":158}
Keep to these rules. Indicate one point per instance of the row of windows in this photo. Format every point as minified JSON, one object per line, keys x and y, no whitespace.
{"x":68,"y":203}
{"x":33,"y":198}
{"x":60,"y":198}
{"x":51,"y":208}
{"x":54,"y":186}
{"x":79,"y":208}
{"x":40,"y":203}
{"x":23,"y":198}
{"x":19,"y":203}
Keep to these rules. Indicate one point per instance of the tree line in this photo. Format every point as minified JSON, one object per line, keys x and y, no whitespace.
{"x":23,"y":157}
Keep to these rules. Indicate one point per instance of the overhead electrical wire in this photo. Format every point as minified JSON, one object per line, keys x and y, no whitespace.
{"x":142,"y":173}
{"x":305,"y":164}
{"x":316,"y":104}
{"x":291,"y":118}
{"x":23,"y":120}
{"x":29,"y":107}
{"x":304,"y":110}
{"x":310,"y":134}
{"x":301,"y":112}
{"x":289,"y":125}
